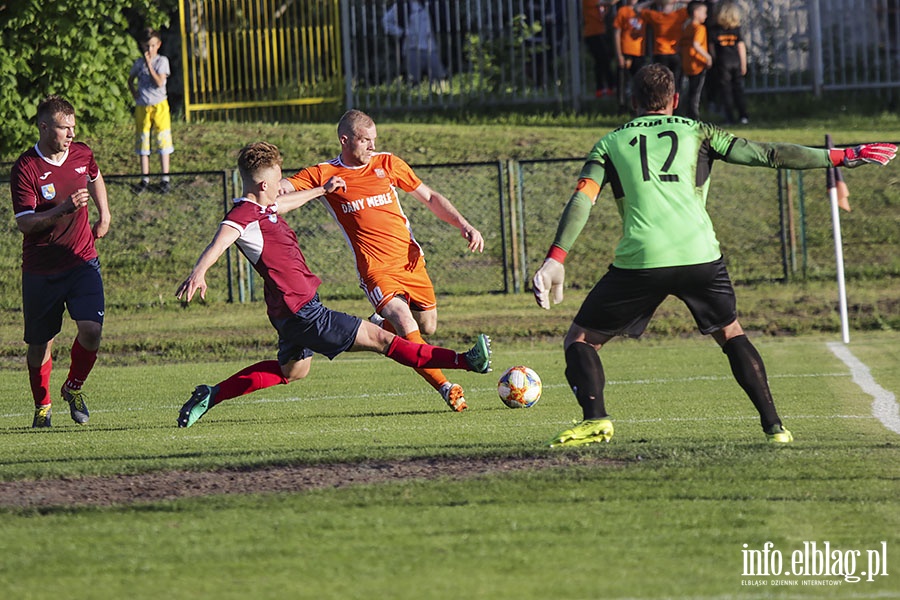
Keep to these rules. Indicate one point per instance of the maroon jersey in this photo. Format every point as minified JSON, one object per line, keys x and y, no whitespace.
{"x":38,"y":184}
{"x":271,"y":246}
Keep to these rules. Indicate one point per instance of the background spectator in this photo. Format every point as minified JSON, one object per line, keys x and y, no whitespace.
{"x":628,"y":31}
{"x":730,"y":62}
{"x":596,"y":38}
{"x":409,"y":20}
{"x":147,"y":82}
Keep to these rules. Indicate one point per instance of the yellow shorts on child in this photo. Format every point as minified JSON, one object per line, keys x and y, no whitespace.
{"x":157,"y":118}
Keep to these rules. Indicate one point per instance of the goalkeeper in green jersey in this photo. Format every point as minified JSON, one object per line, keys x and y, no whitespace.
{"x":658,"y":167}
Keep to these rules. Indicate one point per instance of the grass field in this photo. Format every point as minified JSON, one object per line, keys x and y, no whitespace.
{"x":412,"y":501}
{"x":663,"y":511}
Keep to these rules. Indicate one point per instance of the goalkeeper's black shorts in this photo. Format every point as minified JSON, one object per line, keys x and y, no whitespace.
{"x":624,"y":300}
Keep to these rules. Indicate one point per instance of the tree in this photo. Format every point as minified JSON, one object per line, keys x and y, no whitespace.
{"x":79,"y":49}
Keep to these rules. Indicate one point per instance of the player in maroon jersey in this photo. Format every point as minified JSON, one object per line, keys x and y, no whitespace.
{"x":52,"y":184}
{"x":303,"y":323}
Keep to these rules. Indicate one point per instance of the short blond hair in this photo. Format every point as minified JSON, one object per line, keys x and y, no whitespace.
{"x":353,"y":121}
{"x":728,"y":15}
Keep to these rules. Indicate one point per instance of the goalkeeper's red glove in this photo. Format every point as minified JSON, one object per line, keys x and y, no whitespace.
{"x":879,"y":153}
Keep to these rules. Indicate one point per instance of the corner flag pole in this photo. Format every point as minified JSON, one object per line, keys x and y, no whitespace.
{"x":831,"y":177}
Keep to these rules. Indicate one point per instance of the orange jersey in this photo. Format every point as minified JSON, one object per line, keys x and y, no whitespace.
{"x":369,"y":212}
{"x":632,"y":31}
{"x":594,"y":14}
{"x":667,"y":28}
{"x":692,"y":62}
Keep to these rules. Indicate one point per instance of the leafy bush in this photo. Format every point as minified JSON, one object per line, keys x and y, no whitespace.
{"x":79,"y":49}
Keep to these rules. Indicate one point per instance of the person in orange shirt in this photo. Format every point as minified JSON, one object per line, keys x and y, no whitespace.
{"x":695,"y":56}
{"x":596,"y":38}
{"x":667,"y":24}
{"x":389,"y":260}
{"x":628,"y":31}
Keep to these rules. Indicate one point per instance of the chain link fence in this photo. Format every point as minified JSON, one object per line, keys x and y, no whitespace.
{"x":767,"y":229}
{"x":771,"y":227}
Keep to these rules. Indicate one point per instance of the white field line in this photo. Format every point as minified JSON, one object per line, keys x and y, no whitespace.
{"x":884,"y":403}
{"x":653,"y":381}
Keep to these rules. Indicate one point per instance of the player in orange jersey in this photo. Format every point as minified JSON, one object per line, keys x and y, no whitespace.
{"x":389,"y":260}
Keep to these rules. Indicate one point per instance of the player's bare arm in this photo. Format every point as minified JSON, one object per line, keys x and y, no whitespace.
{"x":97,"y":190}
{"x":34,"y":222}
{"x":225,"y":237}
{"x":290,"y":199}
{"x":445,"y":211}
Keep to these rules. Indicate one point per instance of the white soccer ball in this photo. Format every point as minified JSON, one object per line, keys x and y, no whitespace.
{"x":519,"y":387}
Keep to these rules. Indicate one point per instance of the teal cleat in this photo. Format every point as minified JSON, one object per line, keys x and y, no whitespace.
{"x":479,"y":356}
{"x":587,"y":432}
{"x":198,"y":405}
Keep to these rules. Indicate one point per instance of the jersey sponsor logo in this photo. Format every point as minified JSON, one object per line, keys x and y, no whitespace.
{"x":45,"y":175}
{"x":81,"y":170}
{"x":353,"y":206}
{"x":357,"y":205}
{"x":380,"y":200}
{"x":48,"y":191}
{"x":727,"y":40}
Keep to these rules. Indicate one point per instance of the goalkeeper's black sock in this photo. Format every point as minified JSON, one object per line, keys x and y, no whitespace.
{"x":584,"y":372}
{"x":750,"y":373}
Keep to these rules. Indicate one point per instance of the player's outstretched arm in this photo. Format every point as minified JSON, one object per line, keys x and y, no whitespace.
{"x":444,"y":210}
{"x":878,"y":153}
{"x":289,"y":200}
{"x":550,"y":278}
{"x":225,"y":237}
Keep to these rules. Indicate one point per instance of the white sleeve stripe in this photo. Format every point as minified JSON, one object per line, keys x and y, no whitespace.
{"x":25,"y":212}
{"x":235,"y":225}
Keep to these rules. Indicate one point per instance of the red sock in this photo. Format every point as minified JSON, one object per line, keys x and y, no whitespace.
{"x":255,"y":377}
{"x":39,"y":378}
{"x":414,"y":355}
{"x":434,"y":377}
{"x":82,"y":363}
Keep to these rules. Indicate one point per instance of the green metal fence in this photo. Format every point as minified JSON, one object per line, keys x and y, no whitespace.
{"x":155,"y":238}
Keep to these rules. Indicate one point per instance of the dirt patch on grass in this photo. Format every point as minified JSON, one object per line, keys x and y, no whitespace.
{"x":172,"y":485}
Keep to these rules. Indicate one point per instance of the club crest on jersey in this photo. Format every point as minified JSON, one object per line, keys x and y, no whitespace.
{"x":48,"y":191}
{"x":273,"y":218}
{"x":379,"y":173}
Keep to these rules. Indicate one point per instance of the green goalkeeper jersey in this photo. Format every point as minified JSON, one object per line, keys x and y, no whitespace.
{"x":658,"y":167}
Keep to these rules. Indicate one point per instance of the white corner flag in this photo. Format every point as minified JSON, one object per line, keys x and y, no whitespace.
{"x":831,"y":179}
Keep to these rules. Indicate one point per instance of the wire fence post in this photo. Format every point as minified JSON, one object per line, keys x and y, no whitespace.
{"x":511,"y":179}
{"x":504,"y":252}
{"x":782,"y":225}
